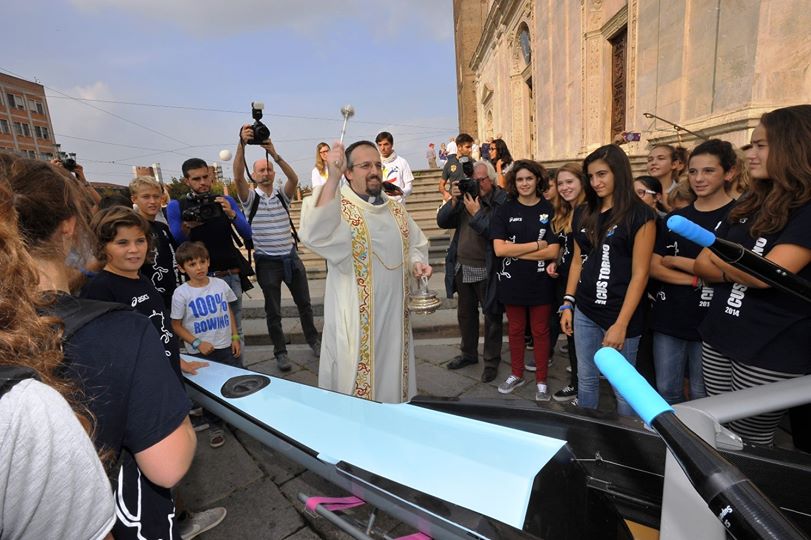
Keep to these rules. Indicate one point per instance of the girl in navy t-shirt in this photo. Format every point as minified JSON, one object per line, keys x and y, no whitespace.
{"x":681,"y":298}
{"x":522,"y":237}
{"x":570,"y":194}
{"x":754,"y":334}
{"x":615,"y":231}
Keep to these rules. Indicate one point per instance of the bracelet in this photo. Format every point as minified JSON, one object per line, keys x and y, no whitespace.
{"x":235,"y":337}
{"x":569,"y":298}
{"x":196,"y":343}
{"x":564,"y":307}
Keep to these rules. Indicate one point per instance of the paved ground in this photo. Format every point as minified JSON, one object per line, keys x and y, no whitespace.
{"x":260,"y":488}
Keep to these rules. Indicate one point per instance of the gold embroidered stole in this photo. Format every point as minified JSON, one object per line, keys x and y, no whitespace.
{"x":364,"y":281}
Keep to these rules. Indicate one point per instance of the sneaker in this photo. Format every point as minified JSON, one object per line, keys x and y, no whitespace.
{"x":199,"y":423}
{"x":197,"y":411}
{"x":283,"y":362}
{"x":529,"y":365}
{"x":316,"y":347}
{"x":529,"y":342}
{"x":574,"y":403}
{"x":196,"y":523}
{"x":567,"y":393}
{"x":542,"y":393}
{"x":511,"y":384}
{"x":216,"y":438}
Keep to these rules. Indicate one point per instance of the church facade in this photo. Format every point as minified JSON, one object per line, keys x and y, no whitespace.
{"x":559,"y":78}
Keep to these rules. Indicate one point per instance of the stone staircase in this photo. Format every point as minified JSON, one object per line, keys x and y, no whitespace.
{"x":422,"y":205}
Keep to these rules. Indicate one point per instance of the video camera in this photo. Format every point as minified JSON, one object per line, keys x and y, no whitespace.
{"x":261,"y":133}
{"x":467,"y":184}
{"x":203,"y":208}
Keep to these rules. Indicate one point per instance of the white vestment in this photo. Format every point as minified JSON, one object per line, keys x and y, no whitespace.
{"x":367,"y":348}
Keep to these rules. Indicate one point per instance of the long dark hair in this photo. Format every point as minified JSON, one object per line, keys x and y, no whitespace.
{"x":652,"y":183}
{"x":788,"y":131}
{"x":625,"y":201}
{"x":502,"y":152}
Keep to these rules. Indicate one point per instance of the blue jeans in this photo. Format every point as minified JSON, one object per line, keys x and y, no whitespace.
{"x":588,"y":339}
{"x":236,"y":285}
{"x":671,"y":355}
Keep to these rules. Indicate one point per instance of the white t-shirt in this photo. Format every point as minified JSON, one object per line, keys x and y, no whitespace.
{"x":204,"y":312}
{"x":398,"y":172}
{"x":52,"y":484}
{"x":316,"y":179}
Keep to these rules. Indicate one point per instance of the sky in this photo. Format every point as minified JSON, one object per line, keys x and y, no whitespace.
{"x":392,"y":60}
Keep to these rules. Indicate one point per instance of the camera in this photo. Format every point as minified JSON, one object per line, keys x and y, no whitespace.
{"x":467,"y":184}
{"x":203,"y":208}
{"x":261,"y":133}
{"x":68,"y":161}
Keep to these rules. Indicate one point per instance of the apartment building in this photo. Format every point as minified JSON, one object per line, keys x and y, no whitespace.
{"x":25,"y":123}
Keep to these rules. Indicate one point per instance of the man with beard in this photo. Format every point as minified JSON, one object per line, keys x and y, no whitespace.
{"x":274,"y":243}
{"x":372,"y":248}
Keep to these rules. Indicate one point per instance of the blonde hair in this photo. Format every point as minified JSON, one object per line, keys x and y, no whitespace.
{"x":681,"y":195}
{"x":141,"y":182}
{"x":564,"y":211}
{"x":320,"y":164}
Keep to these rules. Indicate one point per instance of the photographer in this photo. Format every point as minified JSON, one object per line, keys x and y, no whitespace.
{"x":77,"y":170}
{"x":470,"y":264}
{"x":276,"y":256}
{"x":203,"y":217}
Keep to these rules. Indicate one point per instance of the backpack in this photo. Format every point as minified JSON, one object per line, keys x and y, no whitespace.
{"x":11,"y":375}
{"x":252,"y":214}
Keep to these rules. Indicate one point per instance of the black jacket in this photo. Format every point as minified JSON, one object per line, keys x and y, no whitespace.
{"x":448,"y":217}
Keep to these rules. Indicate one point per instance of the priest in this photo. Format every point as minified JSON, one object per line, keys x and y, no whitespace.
{"x":374,"y":252}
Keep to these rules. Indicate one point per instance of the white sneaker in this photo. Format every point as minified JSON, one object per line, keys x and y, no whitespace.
{"x":199,"y":522}
{"x":542,"y":393}
{"x":510,"y":384}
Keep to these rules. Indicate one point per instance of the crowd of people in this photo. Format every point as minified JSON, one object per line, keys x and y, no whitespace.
{"x":585,"y":250}
{"x":98,"y":297}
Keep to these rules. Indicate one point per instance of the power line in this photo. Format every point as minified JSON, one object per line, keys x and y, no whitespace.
{"x":230,"y":111}
{"x":85,"y":103}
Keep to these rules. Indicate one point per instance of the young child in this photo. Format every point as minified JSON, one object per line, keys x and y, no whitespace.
{"x":146,"y":194}
{"x":201,"y":315}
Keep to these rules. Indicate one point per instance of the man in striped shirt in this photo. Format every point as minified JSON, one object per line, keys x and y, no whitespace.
{"x":275,"y":252}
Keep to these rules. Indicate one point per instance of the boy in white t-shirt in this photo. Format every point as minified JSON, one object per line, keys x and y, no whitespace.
{"x":201,"y":316}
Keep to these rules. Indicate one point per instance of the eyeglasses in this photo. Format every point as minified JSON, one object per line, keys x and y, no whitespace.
{"x":482,"y":179}
{"x":643,"y":192}
{"x":367,"y":165}
{"x":324,"y":151}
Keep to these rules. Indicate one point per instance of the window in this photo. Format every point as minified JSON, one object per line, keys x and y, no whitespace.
{"x":40,"y":108}
{"x":15,"y":101}
{"x":31,"y":154}
{"x":23,"y":130}
{"x":41,"y":132}
{"x":4,"y":128}
{"x":619,"y":44}
{"x":47,"y":156}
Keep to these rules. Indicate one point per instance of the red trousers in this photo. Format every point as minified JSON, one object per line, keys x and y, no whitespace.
{"x":539,"y":325}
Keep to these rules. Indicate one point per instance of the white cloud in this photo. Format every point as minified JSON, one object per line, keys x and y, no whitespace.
{"x":202,"y":17}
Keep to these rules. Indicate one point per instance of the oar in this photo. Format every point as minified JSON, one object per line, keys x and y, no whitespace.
{"x":740,"y":506}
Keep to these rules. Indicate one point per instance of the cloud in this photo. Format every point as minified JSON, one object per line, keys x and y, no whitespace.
{"x":215,"y":18}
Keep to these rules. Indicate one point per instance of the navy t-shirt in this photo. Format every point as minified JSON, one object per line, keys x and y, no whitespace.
{"x":606,"y":270}
{"x":522,"y":282}
{"x":163,"y":270}
{"x":767,"y":328}
{"x":678,"y":310}
{"x":141,"y":295}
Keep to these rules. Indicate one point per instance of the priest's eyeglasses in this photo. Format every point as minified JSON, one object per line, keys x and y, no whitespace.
{"x":366,"y":165}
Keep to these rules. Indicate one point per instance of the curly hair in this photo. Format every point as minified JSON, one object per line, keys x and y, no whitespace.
{"x":26,"y":337}
{"x":564,"y":210}
{"x":105,"y":226}
{"x":769,"y":201}
{"x":537,"y":170}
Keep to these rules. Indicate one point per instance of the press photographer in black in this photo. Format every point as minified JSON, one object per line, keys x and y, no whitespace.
{"x":470,"y":263}
{"x":204,"y":217}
